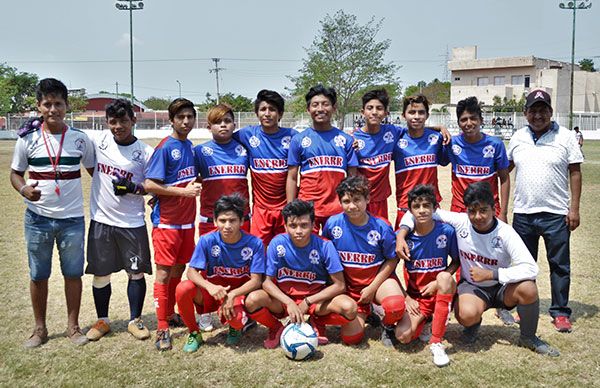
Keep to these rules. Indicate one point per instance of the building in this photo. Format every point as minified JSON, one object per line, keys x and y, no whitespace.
{"x":511,"y":77}
{"x":97,"y":102}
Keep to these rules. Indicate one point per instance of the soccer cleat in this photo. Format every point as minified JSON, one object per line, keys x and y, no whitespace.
{"x":250,"y":324}
{"x":98,"y":330}
{"x":137,"y":329}
{"x":273,"y":338}
{"x":469,"y":335}
{"x":38,"y":337}
{"x":440,"y":358}
{"x":538,"y":346}
{"x":388,"y":336}
{"x":77,"y":337}
{"x":176,"y":321}
{"x":425,"y":335}
{"x":193,"y":342}
{"x":205,"y":322}
{"x":163,"y":340}
{"x":505,"y":316}
{"x":562,"y":324}
{"x":233,"y":337}
{"x":321,"y":331}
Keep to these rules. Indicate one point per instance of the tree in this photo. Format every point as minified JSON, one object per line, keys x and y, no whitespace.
{"x":506,"y":105}
{"x":77,"y":103}
{"x":436,"y":91}
{"x":157,"y":103}
{"x":238,"y":103}
{"x":587,"y":64}
{"x":17,"y":90}
{"x":346,"y":56}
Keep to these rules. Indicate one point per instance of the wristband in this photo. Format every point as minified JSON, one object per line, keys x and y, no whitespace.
{"x":22,"y":189}
{"x":495,"y":274}
{"x":308,"y":302}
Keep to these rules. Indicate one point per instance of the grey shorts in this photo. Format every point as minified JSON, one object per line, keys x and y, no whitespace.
{"x":493,"y":296}
{"x":111,"y":249}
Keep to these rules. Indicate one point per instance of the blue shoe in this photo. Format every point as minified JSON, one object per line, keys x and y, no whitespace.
{"x":193,"y":342}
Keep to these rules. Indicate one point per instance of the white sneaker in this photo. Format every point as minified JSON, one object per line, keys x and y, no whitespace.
{"x":205,"y":322}
{"x":425,"y":335}
{"x":440,"y":358}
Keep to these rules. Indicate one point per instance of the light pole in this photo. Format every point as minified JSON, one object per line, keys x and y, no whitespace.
{"x":130,"y":5}
{"x":574,"y":5}
{"x":179,"y":83}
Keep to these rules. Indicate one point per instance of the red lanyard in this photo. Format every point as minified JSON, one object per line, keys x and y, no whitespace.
{"x":56,"y":160}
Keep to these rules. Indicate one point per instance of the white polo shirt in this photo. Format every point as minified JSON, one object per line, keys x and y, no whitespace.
{"x":542,"y":169}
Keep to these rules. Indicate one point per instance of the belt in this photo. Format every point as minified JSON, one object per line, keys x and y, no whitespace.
{"x":51,"y":175}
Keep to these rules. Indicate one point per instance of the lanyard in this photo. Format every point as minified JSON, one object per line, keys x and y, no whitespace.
{"x":56,"y":160}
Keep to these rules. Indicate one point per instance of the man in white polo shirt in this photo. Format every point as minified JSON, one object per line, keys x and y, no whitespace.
{"x":548,"y":160}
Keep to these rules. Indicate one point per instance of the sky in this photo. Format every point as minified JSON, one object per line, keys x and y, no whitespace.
{"x":85,"y":43}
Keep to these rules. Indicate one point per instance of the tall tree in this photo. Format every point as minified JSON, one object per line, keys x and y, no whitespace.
{"x":587,"y":64}
{"x":436,"y":91}
{"x":17,"y":90}
{"x":157,"y":103}
{"x":238,"y":102}
{"x":347,"y":56}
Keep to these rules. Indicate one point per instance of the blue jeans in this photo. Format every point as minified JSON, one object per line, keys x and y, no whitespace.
{"x":555,"y":232}
{"x":40,"y":234}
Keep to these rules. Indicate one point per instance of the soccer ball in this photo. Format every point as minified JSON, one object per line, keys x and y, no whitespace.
{"x":299,"y":341}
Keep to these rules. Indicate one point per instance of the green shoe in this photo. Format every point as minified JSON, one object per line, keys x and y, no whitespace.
{"x":233,"y":337}
{"x":193,"y":342}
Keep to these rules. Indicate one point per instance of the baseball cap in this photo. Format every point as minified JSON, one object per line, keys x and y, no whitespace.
{"x":537,"y":96}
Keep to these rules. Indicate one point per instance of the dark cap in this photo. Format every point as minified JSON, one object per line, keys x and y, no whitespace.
{"x":538,"y":96}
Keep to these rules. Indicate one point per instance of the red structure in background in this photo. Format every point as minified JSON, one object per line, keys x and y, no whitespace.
{"x":97,"y":102}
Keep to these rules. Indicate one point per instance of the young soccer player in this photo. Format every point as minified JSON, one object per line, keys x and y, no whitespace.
{"x":52,"y":152}
{"x":267,"y":145}
{"x":429,"y":282}
{"x":117,"y":237}
{"x":227,"y":264}
{"x":304,"y":276}
{"x":366,"y":246}
{"x":497,"y":270}
{"x":221,"y":164}
{"x":170,"y":177}
{"x":322,"y":154}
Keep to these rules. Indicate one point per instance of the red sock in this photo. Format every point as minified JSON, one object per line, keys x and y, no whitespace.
{"x":394,"y":307}
{"x":161,"y":292}
{"x":266,"y":318}
{"x":185,"y":293}
{"x":173,"y":282}
{"x":440,"y":316}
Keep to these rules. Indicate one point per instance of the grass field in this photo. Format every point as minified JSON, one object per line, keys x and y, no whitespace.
{"x":120,"y":360}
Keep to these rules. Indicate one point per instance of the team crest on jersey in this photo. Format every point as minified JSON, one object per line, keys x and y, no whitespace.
{"x":441,"y":241}
{"x":280,"y":250}
{"x":175,"y":154}
{"x":360,"y":143}
{"x":433,"y":139}
{"x":337,"y":232}
{"x":456,"y":149}
{"x":388,"y":137}
{"x":254,"y":141}
{"x":314,"y":256}
{"x":410,"y":244}
{"x":240,"y":150}
{"x":80,"y":144}
{"x":402,"y":143}
{"x":207,"y":151}
{"x":497,"y":242}
{"x":136,"y":156}
{"x":134,"y":262}
{"x":285,"y":142}
{"x":488,"y":151}
{"x":373,"y":237}
{"x":246,"y":253}
{"x":215,"y":251}
{"x":463,"y":233}
{"x":306,"y":142}
{"x":340,"y":141}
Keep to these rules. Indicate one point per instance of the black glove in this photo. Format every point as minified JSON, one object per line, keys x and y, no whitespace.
{"x":122,"y":186}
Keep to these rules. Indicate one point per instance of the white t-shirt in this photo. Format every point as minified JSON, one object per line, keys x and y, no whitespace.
{"x":542,"y":169}
{"x":31,"y":154}
{"x":500,"y":249}
{"x":124,"y":211}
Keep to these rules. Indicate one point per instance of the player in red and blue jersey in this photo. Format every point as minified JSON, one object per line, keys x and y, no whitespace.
{"x":367,"y":249}
{"x":323,"y":154}
{"x":267,"y":145}
{"x":222,"y":164}
{"x":304,"y":276}
{"x":226,"y":265}
{"x":170,"y":177}
{"x":476,"y":157}
{"x":429,"y":282}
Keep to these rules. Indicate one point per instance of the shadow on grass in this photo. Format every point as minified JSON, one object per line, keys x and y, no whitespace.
{"x":488,"y":336}
{"x":580,"y":310}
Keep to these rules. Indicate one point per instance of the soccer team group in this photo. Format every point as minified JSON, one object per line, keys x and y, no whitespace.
{"x":271,"y":263}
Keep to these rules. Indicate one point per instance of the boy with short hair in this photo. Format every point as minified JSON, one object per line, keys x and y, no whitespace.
{"x":227,"y":264}
{"x":304,"y":276}
{"x":117,"y":237}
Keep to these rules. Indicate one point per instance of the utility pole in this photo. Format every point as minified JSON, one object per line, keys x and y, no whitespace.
{"x":216,"y":71}
{"x":130,"y":6}
{"x":179,"y":83}
{"x":117,"y":88}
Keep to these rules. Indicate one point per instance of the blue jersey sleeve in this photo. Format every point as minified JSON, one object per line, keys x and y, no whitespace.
{"x":500,"y":157}
{"x":332,"y":258}
{"x":198,"y":260}
{"x":258,"y":263}
{"x":453,"y":244}
{"x":200,"y":162}
{"x":442,"y":155}
{"x":295,"y":151}
{"x":272,"y":265}
{"x":326,"y":232}
{"x":350,"y":153}
{"x":156,"y":168}
{"x":388,"y":242}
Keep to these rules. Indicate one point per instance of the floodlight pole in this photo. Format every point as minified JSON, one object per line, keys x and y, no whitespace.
{"x":139,"y":5}
{"x":179,"y":83}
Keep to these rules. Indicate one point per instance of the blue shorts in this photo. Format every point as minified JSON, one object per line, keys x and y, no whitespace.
{"x":40,"y":234}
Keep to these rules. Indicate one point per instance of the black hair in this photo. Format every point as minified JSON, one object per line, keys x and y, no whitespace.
{"x":380,"y":95}
{"x":576,"y":128}
{"x":177,"y":105}
{"x":234,"y":202}
{"x":270,"y":97}
{"x":119,"y":108}
{"x":415,"y":99}
{"x":469,"y":104}
{"x":479,"y":193}
{"x":51,"y":86}
{"x":424,"y":193}
{"x":353,"y":185}
{"x":330,"y":93}
{"x":298,"y":208}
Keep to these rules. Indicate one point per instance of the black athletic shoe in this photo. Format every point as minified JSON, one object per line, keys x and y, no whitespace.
{"x":537,"y":345}
{"x":469,"y":335}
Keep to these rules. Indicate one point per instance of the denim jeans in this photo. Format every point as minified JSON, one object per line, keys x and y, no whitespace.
{"x":555,"y":232}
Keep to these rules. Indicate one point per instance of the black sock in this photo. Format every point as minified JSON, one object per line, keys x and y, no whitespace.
{"x":136,"y":292}
{"x":529,"y":314}
{"x":101,"y":300}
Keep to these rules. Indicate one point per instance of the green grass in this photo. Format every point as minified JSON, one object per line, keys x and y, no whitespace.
{"x":119,"y":360}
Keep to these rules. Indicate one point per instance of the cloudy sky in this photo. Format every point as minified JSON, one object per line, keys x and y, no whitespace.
{"x":85,"y":43}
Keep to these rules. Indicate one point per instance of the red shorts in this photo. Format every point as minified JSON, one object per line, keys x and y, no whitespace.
{"x":426,"y":306}
{"x":378,"y":209}
{"x":207,"y":227}
{"x":210,"y":304}
{"x":266,"y":224}
{"x":400,"y":213}
{"x":311,"y":309}
{"x":173,"y":246}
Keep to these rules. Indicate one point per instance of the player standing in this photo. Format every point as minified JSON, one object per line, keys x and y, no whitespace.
{"x":170,"y":177}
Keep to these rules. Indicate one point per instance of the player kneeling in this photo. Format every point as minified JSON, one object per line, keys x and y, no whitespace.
{"x":226,"y":265}
{"x":366,"y":246}
{"x":304,"y":276}
{"x":497,"y":270}
{"x":429,"y":281}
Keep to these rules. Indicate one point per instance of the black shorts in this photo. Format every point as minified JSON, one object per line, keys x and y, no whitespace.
{"x":493,"y":296}
{"x":111,"y":249}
